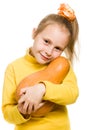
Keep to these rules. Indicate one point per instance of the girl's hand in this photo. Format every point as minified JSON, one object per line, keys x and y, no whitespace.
{"x":30,"y":99}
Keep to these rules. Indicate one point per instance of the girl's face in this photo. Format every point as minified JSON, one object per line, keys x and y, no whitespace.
{"x":50,"y":43}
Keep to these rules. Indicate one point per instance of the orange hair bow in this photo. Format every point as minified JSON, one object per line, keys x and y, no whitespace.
{"x":66,"y":11}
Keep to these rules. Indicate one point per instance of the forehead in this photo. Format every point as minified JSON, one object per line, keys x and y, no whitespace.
{"x":55,"y":29}
{"x":56,"y":32}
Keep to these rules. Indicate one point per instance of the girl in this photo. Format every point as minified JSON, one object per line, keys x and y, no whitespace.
{"x":55,"y":34}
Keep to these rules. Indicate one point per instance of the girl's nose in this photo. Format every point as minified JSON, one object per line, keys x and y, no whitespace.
{"x":49,"y":51}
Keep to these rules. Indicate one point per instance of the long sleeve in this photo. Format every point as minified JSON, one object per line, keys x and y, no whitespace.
{"x":64,"y":93}
{"x":9,"y":104}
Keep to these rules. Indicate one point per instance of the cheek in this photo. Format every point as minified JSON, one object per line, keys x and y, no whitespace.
{"x":36,"y":47}
{"x":56,"y":54}
{"x":40,"y":47}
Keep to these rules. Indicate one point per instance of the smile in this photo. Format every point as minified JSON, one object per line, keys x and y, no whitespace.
{"x":44,"y":58}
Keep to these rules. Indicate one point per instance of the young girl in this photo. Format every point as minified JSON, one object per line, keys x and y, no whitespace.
{"x":56,"y":33}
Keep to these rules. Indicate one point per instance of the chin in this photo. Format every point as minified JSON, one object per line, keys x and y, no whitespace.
{"x":42,"y":62}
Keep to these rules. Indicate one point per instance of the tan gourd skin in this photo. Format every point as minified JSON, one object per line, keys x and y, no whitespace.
{"x":54,"y":72}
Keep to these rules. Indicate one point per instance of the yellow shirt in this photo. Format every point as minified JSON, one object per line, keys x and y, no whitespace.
{"x":61,"y":94}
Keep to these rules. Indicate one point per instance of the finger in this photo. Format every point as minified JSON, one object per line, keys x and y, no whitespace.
{"x":30,"y":108}
{"x":37,"y":106}
{"x":20,"y":108}
{"x":25,"y":108}
{"x":21,"y":99}
{"x":40,"y":105}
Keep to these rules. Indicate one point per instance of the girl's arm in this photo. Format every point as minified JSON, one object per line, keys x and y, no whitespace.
{"x":64,"y":93}
{"x":9,"y":103}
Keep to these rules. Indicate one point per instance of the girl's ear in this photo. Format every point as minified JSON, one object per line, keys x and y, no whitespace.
{"x":34,"y":32}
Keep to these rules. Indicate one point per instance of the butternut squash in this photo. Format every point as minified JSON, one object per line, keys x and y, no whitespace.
{"x":55,"y":72}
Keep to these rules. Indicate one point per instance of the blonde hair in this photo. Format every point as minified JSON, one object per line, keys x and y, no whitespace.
{"x":72,"y":26}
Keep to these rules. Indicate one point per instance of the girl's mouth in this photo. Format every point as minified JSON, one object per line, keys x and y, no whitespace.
{"x":45,"y":58}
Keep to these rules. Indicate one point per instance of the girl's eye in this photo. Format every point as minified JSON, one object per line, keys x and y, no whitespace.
{"x":46,"y":41}
{"x":58,"y":49}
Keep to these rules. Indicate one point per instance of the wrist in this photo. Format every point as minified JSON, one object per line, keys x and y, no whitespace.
{"x":43,"y":88}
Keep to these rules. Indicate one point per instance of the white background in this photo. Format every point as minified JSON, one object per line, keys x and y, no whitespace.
{"x":17,"y":19}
